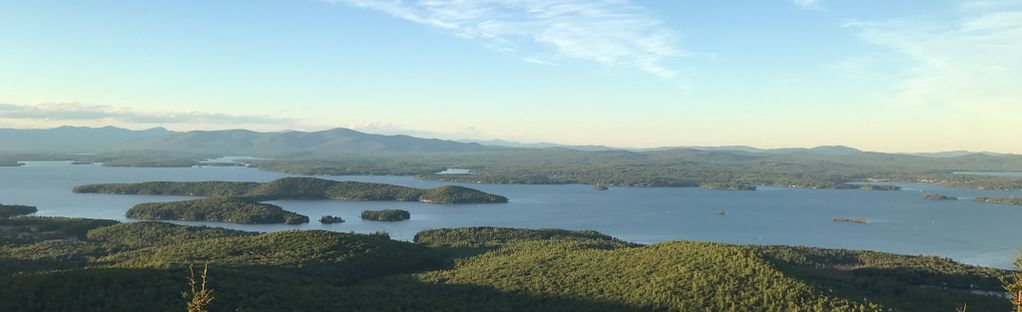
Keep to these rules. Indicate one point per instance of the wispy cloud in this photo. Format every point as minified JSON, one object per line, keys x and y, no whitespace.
{"x":609,"y":32}
{"x":968,"y":68}
{"x":808,"y":4}
{"x":74,"y":111}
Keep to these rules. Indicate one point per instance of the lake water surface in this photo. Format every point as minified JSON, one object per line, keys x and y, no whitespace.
{"x":899,"y":221}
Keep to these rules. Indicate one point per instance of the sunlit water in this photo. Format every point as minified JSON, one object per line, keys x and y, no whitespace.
{"x":899,"y":221}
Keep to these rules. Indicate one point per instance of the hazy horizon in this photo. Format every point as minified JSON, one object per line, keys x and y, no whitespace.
{"x":533,"y":144}
{"x":874,"y":75}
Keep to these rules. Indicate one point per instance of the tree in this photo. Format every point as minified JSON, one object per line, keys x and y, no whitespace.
{"x":1013,"y":285}
{"x":201,"y":298}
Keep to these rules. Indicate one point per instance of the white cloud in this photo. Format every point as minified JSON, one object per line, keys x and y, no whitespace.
{"x":75,"y":111}
{"x":609,"y":32}
{"x":808,"y":4}
{"x":967,"y":72}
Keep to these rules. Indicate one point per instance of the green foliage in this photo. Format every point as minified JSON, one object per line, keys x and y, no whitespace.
{"x":217,"y":209}
{"x":328,"y":219}
{"x":7,"y":211}
{"x":1013,"y":285}
{"x":906,"y":283}
{"x":148,"y":234}
{"x":675,"y":276}
{"x":386,"y":215}
{"x":486,"y":236}
{"x":207,"y":188}
{"x":675,"y":167}
{"x":199,"y":297}
{"x":453,"y":194}
{"x":138,"y":267}
{"x":30,"y":229}
{"x":299,"y":188}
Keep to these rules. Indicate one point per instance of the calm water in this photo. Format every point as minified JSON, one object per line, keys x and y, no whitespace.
{"x":899,"y":221}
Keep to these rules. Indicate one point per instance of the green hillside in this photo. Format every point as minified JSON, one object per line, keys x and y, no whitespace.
{"x":300,"y":188}
{"x":142,"y":267}
{"x":216,"y":209}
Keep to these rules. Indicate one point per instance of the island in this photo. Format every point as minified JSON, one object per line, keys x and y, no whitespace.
{"x":304,"y":188}
{"x":216,"y":209}
{"x":8,"y":211}
{"x":939,"y":197}
{"x":328,"y":219}
{"x":1015,"y":201}
{"x":850,"y":220}
{"x":877,"y":187}
{"x":727,"y":186}
{"x":386,"y":215}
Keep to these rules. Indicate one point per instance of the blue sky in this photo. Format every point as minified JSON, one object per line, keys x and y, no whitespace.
{"x":878,"y":75}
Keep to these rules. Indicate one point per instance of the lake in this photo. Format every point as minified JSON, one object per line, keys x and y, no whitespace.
{"x":898,"y":221}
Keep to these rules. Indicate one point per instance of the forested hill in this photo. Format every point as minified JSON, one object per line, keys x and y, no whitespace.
{"x":71,"y":139}
{"x":232,"y":142}
{"x":143,"y":266}
{"x":300,"y":188}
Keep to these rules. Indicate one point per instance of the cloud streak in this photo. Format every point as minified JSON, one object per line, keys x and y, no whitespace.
{"x":967,"y":71}
{"x":808,"y":4}
{"x":74,"y":111}
{"x":608,"y":32}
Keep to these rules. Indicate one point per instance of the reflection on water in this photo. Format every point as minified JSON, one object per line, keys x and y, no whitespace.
{"x":898,"y":221}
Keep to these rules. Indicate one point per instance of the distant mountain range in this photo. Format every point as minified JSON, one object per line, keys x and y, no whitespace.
{"x":233,"y":142}
{"x":333,"y":141}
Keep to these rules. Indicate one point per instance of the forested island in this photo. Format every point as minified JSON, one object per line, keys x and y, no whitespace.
{"x":142,"y":266}
{"x":386,"y":215}
{"x":300,"y":188}
{"x":1015,"y":201}
{"x":328,"y":219}
{"x":216,"y":209}
{"x":939,"y":197}
{"x":7,"y":210}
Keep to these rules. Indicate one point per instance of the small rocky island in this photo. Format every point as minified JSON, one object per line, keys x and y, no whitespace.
{"x":217,"y":209}
{"x":850,"y":220}
{"x":728,"y":186}
{"x":328,"y":219}
{"x":939,"y":197}
{"x":1015,"y":201}
{"x":877,"y":187}
{"x":304,"y":188}
{"x":386,"y":215}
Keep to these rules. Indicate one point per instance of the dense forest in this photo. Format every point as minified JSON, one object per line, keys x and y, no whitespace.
{"x":300,"y":188}
{"x":143,"y":266}
{"x":678,"y":167}
{"x":730,"y":170}
{"x":7,"y":211}
{"x":328,"y":219}
{"x":386,"y":215}
{"x":217,"y":209}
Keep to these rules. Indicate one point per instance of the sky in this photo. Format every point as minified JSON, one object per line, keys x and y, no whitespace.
{"x":891,"y":75}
